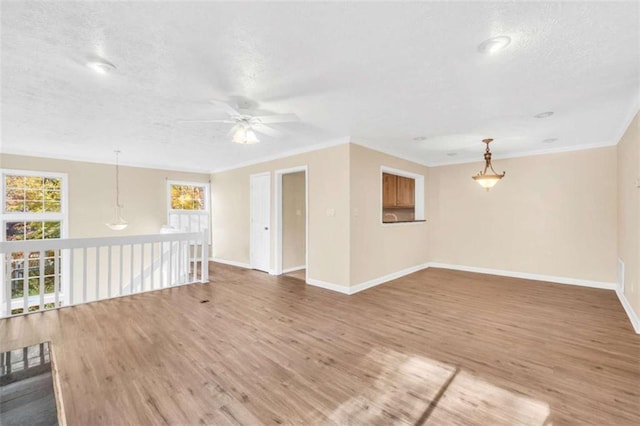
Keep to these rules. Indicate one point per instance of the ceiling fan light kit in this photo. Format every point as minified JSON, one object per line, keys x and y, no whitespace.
{"x":484,"y":179}
{"x":245,"y":126}
{"x":245,"y":136}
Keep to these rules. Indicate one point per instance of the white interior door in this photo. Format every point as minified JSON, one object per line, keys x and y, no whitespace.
{"x":260,"y":244}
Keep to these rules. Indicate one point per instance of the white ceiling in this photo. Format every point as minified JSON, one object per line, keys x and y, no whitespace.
{"x":379,"y":74}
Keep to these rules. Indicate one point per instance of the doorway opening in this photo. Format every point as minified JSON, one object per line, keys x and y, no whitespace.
{"x":292,"y":228}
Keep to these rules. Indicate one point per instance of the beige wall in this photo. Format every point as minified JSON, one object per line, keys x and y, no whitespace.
{"x":552,"y":214}
{"x":629,"y":211}
{"x":143,"y":193}
{"x":376,"y":249}
{"x":328,"y":180}
{"x":293,"y":220}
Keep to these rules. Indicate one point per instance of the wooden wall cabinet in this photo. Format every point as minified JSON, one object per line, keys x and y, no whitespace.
{"x":398,"y":191}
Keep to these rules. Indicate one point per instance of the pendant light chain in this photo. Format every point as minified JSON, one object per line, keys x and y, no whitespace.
{"x":119,"y":223}
{"x":117,"y":179}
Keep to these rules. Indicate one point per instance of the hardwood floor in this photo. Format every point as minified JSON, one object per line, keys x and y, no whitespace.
{"x":300,"y":274}
{"x":436,"y":347}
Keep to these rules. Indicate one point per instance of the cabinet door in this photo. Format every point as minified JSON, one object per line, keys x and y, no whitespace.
{"x":406,"y":192}
{"x":389,"y":190}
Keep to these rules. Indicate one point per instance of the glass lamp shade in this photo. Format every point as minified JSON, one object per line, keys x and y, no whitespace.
{"x":119,"y":224}
{"x":245,"y":136}
{"x":487,"y":181}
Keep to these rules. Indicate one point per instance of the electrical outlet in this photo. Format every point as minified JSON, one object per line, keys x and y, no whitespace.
{"x":331,"y":212}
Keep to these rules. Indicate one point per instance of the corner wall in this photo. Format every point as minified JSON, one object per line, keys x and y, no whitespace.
{"x":143,"y":193}
{"x":552,"y":215}
{"x":328,"y":180}
{"x":378,"y":250}
{"x":628,"y":156}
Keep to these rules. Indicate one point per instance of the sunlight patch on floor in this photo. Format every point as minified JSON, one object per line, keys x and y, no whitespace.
{"x":419,"y":390}
{"x":469,"y":400}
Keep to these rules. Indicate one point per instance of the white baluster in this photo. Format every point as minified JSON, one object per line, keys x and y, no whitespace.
{"x":41,"y":283}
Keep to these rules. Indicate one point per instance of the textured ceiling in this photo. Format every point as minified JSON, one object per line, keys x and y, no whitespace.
{"x":379,"y":74}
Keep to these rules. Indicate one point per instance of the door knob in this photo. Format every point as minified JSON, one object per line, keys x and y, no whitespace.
{"x":266,"y":228}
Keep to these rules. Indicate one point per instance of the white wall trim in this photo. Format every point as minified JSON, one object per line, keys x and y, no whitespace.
{"x":291,"y":153}
{"x":329,"y":286}
{"x":295,"y":268}
{"x":527,"y":276}
{"x":633,"y":317}
{"x":230,"y":262}
{"x":385,"y":278}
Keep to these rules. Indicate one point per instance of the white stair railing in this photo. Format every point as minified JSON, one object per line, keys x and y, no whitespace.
{"x":39,"y":275}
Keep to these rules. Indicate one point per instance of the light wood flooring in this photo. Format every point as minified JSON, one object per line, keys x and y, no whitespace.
{"x":436,"y":347}
{"x":300,"y":274}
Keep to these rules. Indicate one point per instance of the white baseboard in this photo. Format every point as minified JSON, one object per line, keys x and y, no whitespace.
{"x":389,"y":277}
{"x":329,"y":286}
{"x":295,"y":268}
{"x":231,"y":262}
{"x":527,"y":276}
{"x":633,"y":317}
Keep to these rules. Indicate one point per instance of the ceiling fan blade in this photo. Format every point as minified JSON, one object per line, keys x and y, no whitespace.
{"x":266,"y":130}
{"x":225,"y":107}
{"x":207,"y":121}
{"x":277,"y":118}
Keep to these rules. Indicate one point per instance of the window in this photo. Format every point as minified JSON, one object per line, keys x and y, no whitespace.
{"x":402,"y":196}
{"x":188,"y":206}
{"x":188,"y":196}
{"x":33,"y":208}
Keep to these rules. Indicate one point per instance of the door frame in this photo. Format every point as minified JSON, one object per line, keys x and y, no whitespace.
{"x":269,"y":254}
{"x":278,"y":208}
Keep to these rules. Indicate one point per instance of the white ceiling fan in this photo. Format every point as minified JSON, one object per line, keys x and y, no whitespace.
{"x":245,"y":125}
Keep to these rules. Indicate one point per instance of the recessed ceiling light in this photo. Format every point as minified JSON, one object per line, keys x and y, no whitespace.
{"x":100,"y":65}
{"x":420,"y":138}
{"x":544,"y":114}
{"x":452,"y":154}
{"x":550,"y":140}
{"x":494,"y":44}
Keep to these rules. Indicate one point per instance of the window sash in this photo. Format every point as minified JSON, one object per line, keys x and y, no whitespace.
{"x":205,"y":202}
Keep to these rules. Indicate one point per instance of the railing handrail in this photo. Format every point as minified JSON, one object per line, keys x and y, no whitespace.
{"x":73,"y":243}
{"x":160,"y":261}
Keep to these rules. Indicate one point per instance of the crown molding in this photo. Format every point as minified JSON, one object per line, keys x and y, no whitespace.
{"x":530,"y":153}
{"x":316,"y":147}
{"x":635,"y":108}
{"x":391,"y":153}
{"x":79,"y":159}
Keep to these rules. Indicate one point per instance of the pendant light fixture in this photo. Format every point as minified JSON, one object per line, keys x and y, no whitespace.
{"x":119,"y":224}
{"x":486,"y":180}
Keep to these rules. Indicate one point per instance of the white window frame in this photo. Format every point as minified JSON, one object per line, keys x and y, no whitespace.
{"x":207,"y":204}
{"x":207,"y":196}
{"x":62,"y":216}
{"x":419,"y":211}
